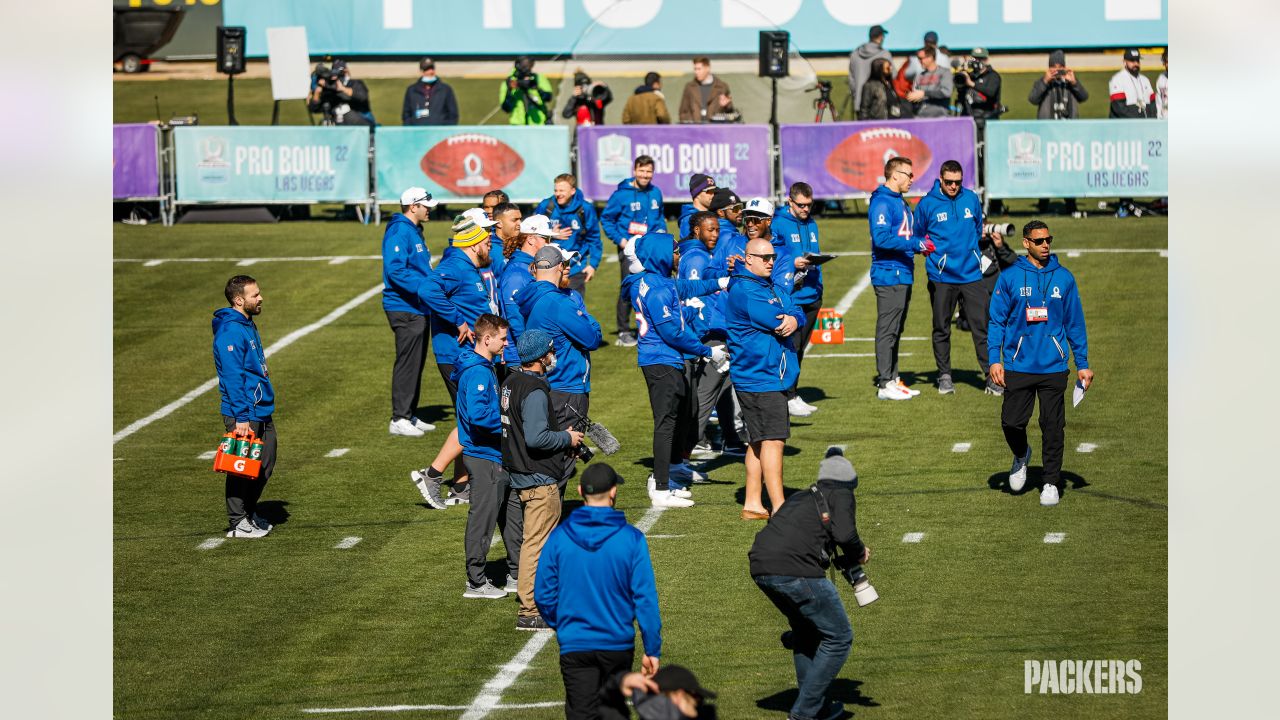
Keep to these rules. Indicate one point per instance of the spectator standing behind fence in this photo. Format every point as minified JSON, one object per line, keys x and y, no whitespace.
{"x":430,"y":100}
{"x":705,"y":95}
{"x":576,"y":227}
{"x":634,"y":210}
{"x":913,"y":66}
{"x":339,"y":98}
{"x":860,"y":62}
{"x":1130,"y":90}
{"x":524,"y":95}
{"x":1057,"y":95}
{"x":1162,"y":88}
{"x":879,"y":101}
{"x":978,"y":88}
{"x":586,"y":104}
{"x":647,"y":106}
{"x":931,"y":90}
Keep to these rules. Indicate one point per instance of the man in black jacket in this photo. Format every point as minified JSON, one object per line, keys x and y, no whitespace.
{"x":430,"y":100}
{"x":788,"y":560}
{"x":978,"y":89}
{"x":339,"y":98}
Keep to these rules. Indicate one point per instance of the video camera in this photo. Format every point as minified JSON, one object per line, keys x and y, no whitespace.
{"x":824,"y":92}
{"x":525,"y":78}
{"x":967,"y":67}
{"x":327,"y":74}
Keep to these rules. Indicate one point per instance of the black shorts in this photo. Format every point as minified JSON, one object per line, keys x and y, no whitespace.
{"x":765,"y":415}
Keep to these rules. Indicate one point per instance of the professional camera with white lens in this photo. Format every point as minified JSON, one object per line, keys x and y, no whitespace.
{"x":1002,"y":228}
{"x":863,"y":591}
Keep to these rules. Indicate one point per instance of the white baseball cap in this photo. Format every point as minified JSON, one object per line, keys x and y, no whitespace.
{"x":758,"y":206}
{"x":536,"y":225}
{"x":417,"y":196}
{"x":477,"y":216}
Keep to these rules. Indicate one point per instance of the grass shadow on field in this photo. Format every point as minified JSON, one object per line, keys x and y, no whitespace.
{"x":842,"y":690}
{"x":433,"y":413}
{"x":1035,"y":481}
{"x":740,"y":496}
{"x":812,"y":394}
{"x":275,"y":512}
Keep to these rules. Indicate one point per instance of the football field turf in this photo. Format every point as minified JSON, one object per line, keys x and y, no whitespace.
{"x":309,"y":619}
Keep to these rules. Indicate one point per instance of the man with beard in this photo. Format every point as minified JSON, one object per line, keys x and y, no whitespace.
{"x":794,"y":223}
{"x":633,"y":210}
{"x":532,"y":234}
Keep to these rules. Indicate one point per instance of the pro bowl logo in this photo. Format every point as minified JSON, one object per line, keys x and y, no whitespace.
{"x":614,"y":153}
{"x":212,"y":168}
{"x":471,"y":164}
{"x":1024,"y":157}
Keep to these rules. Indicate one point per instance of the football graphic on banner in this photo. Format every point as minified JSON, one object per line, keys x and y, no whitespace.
{"x":472,"y":164}
{"x":858,"y":161}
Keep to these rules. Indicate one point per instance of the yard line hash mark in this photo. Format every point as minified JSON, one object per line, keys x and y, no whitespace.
{"x":1086,"y":447}
{"x":211,"y":543}
{"x":347,"y":543}
{"x":961,"y":447}
{"x":1054,"y":538}
{"x":207,"y":455}
{"x":913,"y":537}
{"x":337,"y":452}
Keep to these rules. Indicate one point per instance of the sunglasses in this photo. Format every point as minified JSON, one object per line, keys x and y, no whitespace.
{"x":802,"y":206}
{"x":768,"y":258}
{"x":1040,"y":241}
{"x":910,"y":175}
{"x":951,"y":182}
{"x":754,"y":219}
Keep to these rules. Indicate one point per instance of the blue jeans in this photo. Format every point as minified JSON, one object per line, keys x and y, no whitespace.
{"x":820,"y":635}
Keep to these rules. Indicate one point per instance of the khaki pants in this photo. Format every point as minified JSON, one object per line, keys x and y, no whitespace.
{"x":541,"y":514}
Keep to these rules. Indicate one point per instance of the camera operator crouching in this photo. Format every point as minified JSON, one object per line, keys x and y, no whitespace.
{"x":525,"y":94}
{"x":788,"y":561}
{"x":337,"y":97}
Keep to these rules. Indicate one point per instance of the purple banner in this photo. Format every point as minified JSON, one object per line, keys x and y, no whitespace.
{"x":135,"y":168}
{"x":846,"y":159}
{"x":737,"y":156}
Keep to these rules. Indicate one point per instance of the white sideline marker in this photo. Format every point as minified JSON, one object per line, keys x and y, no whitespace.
{"x":410,"y":708}
{"x":850,"y":355}
{"x":1054,"y":538}
{"x":279,"y":345}
{"x":207,"y":455}
{"x":337,"y":452}
{"x":347,"y":543}
{"x":913,"y":537}
{"x":664,"y":537}
{"x":211,"y":543}
{"x":1086,"y":447}
{"x":247,"y":262}
{"x":961,"y":447}
{"x":1073,"y":254}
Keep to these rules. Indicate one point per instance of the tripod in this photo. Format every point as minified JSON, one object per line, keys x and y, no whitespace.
{"x":823,"y":104}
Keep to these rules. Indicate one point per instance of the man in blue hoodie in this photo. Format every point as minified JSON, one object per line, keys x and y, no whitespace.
{"x":951,"y":216}
{"x":493,"y":502}
{"x":893,"y":248}
{"x":1035,"y":316}
{"x":703,"y":189}
{"x":757,"y":220}
{"x":248,"y":399}
{"x":533,"y":234}
{"x":762,"y":323}
{"x":577,"y":229}
{"x":549,"y":304}
{"x":665,"y":340}
{"x":706,"y":382}
{"x":406,"y":265}
{"x":595,"y":584}
{"x":794,"y":223}
{"x":634,"y":209}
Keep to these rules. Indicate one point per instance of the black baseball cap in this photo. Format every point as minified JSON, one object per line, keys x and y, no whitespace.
{"x":877,"y":30}
{"x":426,"y":63}
{"x":675,"y":677}
{"x":1132,"y":55}
{"x":931,"y":37}
{"x":724,"y":198}
{"x":700,"y":183}
{"x":598,"y":479}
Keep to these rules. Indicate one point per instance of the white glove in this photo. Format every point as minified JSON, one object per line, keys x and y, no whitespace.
{"x":720,"y":358}
{"x":723,"y":282}
{"x":694,"y":302}
{"x":634,"y":266}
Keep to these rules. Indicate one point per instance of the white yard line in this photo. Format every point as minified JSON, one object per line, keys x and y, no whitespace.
{"x":871,"y":339}
{"x":913,"y":537}
{"x":347,"y":543}
{"x":211,"y":543}
{"x":1054,"y":538}
{"x":489,"y":697}
{"x":331,"y":259}
{"x":845,"y":303}
{"x":410,"y":708}
{"x":849,"y":355}
{"x":207,"y":455}
{"x":961,"y":447}
{"x":279,"y":345}
{"x":337,"y":452}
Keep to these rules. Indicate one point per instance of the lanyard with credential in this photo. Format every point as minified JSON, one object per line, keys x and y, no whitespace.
{"x":1043,"y":290}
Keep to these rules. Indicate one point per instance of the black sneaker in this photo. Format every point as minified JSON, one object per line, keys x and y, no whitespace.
{"x":735,"y":450}
{"x":531,"y":623}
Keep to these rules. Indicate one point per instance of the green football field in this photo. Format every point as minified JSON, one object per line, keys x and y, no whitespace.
{"x":355,"y":599}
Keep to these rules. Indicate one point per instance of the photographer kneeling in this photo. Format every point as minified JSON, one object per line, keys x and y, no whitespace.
{"x":525,"y":95}
{"x":341,"y":100}
{"x":788,"y":561}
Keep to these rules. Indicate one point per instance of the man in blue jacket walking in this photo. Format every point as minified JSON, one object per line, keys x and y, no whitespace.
{"x":950,"y":215}
{"x":595,"y":584}
{"x":248,"y":399}
{"x":633,"y":210}
{"x":794,"y":224}
{"x":577,"y":229}
{"x":893,"y":248}
{"x":1035,"y":316}
{"x":493,"y":502}
{"x":406,"y":265}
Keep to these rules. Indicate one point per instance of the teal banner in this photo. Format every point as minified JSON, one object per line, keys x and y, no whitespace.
{"x":272,"y":164}
{"x":462,"y":163}
{"x":1077,"y":158}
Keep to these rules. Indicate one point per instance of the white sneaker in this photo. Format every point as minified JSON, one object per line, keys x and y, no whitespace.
{"x":246,"y":529}
{"x":669,"y":499}
{"x":512,"y":585}
{"x":1049,"y":495}
{"x":1018,"y":473}
{"x":893,"y":391}
{"x":906,"y":387}
{"x":486,"y":591}
{"x":421,"y":424}
{"x":703,"y":451}
{"x":678,"y":492}
{"x":807,"y":406}
{"x":797,"y":408}
{"x":405,"y":427}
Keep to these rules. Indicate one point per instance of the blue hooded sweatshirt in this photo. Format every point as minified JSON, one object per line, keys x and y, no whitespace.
{"x":456,"y":293}
{"x":581,"y":216}
{"x":664,"y":337}
{"x":406,"y":265}
{"x":893,"y":241}
{"x":479,"y":421}
{"x":707,"y":321}
{"x":595,"y":583}
{"x":515,"y":275}
{"x":801,"y":237}
{"x":572,"y":329}
{"x":687,"y":212}
{"x":733,"y":243}
{"x":954,"y":226}
{"x":1037,"y":347}
{"x":762,"y":361}
{"x":241,"y":363}
{"x":632,"y":211}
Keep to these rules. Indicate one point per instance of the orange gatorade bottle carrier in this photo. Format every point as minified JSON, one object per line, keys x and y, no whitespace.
{"x":239,"y":455}
{"x":828,"y":329}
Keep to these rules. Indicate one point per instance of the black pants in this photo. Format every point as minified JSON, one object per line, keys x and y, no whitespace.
{"x":727,"y":411}
{"x":411,"y":355}
{"x":493,"y":504}
{"x":892,"y":302}
{"x":560,"y":404}
{"x":669,"y":398}
{"x":706,"y":387}
{"x":446,"y":374}
{"x":1020,"y":393}
{"x":242,"y":492}
{"x":623,"y":310}
{"x":975,"y":299}
{"x":584,"y":676}
{"x":801,"y":336}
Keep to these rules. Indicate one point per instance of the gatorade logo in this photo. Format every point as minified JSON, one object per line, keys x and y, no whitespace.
{"x":239,"y":465}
